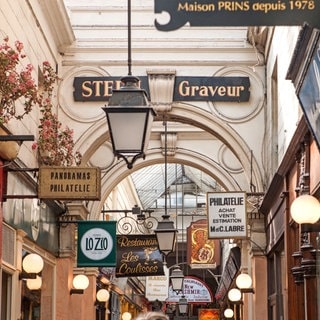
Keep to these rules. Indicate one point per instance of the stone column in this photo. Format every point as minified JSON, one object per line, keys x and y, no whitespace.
{"x":75,"y":306}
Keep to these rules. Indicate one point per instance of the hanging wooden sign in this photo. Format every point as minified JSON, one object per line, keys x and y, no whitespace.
{"x":69,"y":183}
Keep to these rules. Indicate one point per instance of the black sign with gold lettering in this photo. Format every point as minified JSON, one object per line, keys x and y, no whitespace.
{"x":138,"y":255}
{"x":212,"y":89}
{"x":206,"y":13}
{"x":185,"y":88}
{"x":99,"y":88}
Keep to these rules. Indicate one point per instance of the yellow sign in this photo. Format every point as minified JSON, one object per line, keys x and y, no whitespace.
{"x":69,"y":183}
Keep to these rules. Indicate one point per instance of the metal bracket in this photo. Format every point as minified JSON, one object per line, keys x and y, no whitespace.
{"x":19,"y":196}
{"x":16,"y":137}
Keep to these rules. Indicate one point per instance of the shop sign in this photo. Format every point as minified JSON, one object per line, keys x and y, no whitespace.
{"x":157,"y":286}
{"x":232,"y":89}
{"x":69,"y":183}
{"x":201,"y":251}
{"x":309,"y":94}
{"x":96,"y":244}
{"x":227,"y":216}
{"x":209,"y":13}
{"x":138,"y":255}
{"x":194,"y":290}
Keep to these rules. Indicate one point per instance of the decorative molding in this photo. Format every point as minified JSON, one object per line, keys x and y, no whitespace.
{"x":171,"y":143}
{"x":161,"y":86}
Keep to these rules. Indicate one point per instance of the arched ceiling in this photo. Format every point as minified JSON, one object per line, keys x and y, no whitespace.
{"x":211,"y":154}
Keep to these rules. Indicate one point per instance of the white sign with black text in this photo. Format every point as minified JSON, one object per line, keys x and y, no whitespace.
{"x":227,"y":216}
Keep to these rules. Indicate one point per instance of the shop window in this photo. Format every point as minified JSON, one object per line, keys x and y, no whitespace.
{"x":276,"y":283}
{"x":30,"y":303}
{"x":6,"y":289}
{"x":36,"y":298}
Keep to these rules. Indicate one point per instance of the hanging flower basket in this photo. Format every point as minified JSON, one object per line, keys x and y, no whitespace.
{"x":16,"y":82}
{"x":55,"y":144}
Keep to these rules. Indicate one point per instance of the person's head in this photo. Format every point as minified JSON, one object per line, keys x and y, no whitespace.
{"x":154,"y":315}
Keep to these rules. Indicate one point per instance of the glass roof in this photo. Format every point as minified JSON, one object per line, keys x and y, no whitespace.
{"x":150,"y":182}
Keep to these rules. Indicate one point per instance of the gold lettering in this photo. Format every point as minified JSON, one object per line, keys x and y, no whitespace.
{"x":213,"y":90}
{"x":107,"y":88}
{"x":86,"y":91}
{"x":97,"y":85}
{"x":222,"y":91}
{"x":129,"y":257}
{"x":117,"y":84}
{"x":195,"y":6}
{"x":203,"y":91}
{"x":194,"y":89}
{"x":184,"y":88}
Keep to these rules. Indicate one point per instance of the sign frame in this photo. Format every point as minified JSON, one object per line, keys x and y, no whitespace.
{"x":227,"y":215}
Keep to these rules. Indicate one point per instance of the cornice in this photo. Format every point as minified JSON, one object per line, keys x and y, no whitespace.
{"x":58,"y":21}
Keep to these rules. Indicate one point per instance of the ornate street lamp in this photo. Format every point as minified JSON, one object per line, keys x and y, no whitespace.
{"x":129,"y":115}
{"x":177,"y":279}
{"x":166,"y":235}
{"x":183,"y":305}
{"x":166,"y":232}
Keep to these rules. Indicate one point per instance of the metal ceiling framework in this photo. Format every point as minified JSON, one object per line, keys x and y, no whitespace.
{"x":150,"y":185}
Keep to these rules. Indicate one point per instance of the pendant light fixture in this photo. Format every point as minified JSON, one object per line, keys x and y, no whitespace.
{"x":166,"y":232}
{"x":129,"y":115}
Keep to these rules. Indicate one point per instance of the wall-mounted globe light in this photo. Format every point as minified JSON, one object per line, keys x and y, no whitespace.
{"x":228,"y":313}
{"x":103,"y":295}
{"x":234,"y":295}
{"x":80,"y":282}
{"x":305,"y":209}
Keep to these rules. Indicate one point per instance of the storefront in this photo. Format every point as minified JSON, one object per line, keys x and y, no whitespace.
{"x":29,"y":227}
{"x":291,"y":246}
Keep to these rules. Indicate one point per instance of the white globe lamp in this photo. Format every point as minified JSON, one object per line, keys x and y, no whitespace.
{"x":103,"y":295}
{"x":243,"y":281}
{"x":32,"y":263}
{"x":234,"y":295}
{"x":34,"y":284}
{"x":305,"y":209}
{"x":228,"y":313}
{"x":126,"y":316}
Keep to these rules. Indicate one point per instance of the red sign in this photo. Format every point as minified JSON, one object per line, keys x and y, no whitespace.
{"x":201,"y":251}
